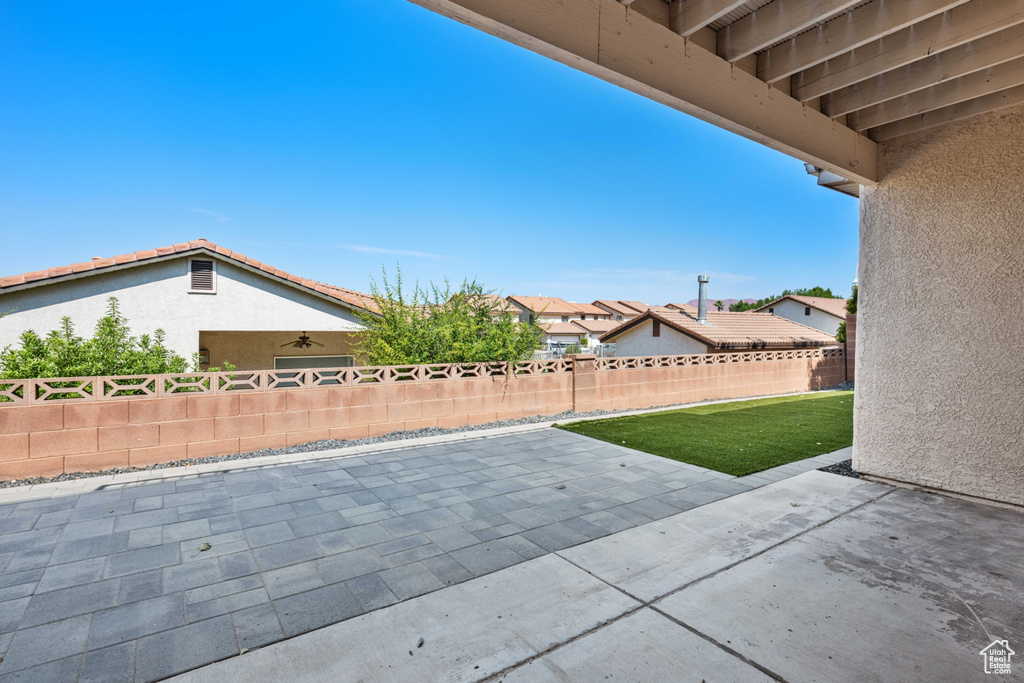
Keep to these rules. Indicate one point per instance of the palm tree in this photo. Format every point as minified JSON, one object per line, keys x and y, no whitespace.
{"x":719,"y":305}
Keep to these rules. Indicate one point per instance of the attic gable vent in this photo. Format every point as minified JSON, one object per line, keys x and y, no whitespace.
{"x":201,"y":276}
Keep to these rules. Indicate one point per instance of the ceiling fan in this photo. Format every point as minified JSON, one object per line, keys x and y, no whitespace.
{"x":303,"y":342}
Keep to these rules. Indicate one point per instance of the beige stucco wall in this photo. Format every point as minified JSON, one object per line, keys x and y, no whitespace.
{"x":639,"y":342}
{"x":819,"y":320}
{"x":257,"y":350}
{"x":156,"y":295}
{"x":940,"y":370}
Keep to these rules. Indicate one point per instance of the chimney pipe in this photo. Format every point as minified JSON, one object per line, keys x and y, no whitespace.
{"x":702,"y":299}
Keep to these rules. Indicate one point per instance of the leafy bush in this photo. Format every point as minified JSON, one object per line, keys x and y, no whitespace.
{"x":112,"y":350}
{"x":439,"y":325}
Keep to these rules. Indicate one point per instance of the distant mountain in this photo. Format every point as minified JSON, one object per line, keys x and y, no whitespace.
{"x":726,"y":303}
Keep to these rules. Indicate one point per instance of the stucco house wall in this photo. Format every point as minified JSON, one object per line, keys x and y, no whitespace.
{"x":156,"y":295}
{"x":819,"y":320}
{"x":939,"y":383}
{"x":639,"y":341}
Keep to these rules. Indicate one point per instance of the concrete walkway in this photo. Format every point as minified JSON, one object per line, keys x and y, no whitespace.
{"x":816,"y":577}
{"x":107,"y":579}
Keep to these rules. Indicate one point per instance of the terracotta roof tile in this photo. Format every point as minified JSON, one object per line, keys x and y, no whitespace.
{"x":735,"y":330}
{"x":562,"y":328}
{"x":348,"y":296}
{"x":552,"y":305}
{"x":601,"y":326}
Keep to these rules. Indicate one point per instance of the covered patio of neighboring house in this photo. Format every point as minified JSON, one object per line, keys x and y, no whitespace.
{"x":255,"y":350}
{"x":209,"y":300}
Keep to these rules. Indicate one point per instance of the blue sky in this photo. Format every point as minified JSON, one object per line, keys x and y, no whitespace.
{"x":333,"y":137}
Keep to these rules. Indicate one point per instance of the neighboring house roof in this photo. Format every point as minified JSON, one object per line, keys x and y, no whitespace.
{"x":836,"y":307}
{"x":617,"y":307}
{"x":600,"y":326}
{"x":734,"y":330}
{"x":550,"y":305}
{"x":201,"y":246}
{"x":686,"y":308}
{"x":726,"y":303}
{"x":623,"y":307}
{"x":561,"y":328}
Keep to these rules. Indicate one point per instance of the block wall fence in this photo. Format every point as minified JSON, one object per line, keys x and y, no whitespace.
{"x":92,"y":428}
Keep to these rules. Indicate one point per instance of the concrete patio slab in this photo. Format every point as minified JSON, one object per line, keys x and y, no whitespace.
{"x":910,"y":587}
{"x":658,"y":558}
{"x":643,"y":646}
{"x":468,"y":632}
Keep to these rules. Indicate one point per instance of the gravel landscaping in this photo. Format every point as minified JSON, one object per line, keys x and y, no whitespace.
{"x":331,"y":444}
{"x":844,"y":468}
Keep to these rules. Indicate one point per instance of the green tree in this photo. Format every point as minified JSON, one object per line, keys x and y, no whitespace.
{"x":841,"y":333}
{"x":719,"y":305}
{"x":851,"y":303}
{"x":439,"y":325}
{"x":112,"y":350}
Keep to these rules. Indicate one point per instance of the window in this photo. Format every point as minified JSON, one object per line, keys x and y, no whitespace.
{"x":656,"y":329}
{"x":618,"y":317}
{"x":311,"y":362}
{"x":201,"y":274}
{"x":807,"y":310}
{"x":565,"y":318}
{"x":771,"y":311}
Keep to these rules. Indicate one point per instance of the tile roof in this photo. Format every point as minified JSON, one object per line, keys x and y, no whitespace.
{"x":687,"y":308}
{"x":735,"y":330}
{"x":836,"y":307}
{"x":623,"y":307}
{"x":348,"y":296}
{"x":561,"y":328}
{"x":617,"y":307}
{"x":726,"y":303}
{"x":551,"y":305}
{"x":601,"y":326}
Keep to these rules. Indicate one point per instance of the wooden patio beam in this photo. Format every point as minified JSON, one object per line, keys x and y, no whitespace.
{"x":974,"y":56}
{"x":607,"y":40}
{"x":844,"y":33}
{"x":958,"y":90}
{"x":689,"y":16}
{"x":955,"y":112}
{"x":772,"y":23}
{"x":959,"y":25}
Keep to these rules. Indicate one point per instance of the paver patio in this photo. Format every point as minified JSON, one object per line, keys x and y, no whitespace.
{"x":112,"y":585}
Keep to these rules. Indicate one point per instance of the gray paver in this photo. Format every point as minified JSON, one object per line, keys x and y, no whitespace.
{"x":316,"y":608}
{"x":180,"y":649}
{"x":257,"y":626}
{"x":114,"y":664}
{"x":137,"y":619}
{"x":69,"y":602}
{"x":46,"y":643}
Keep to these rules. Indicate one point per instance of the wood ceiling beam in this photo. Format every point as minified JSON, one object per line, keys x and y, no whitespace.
{"x":976,"y":19}
{"x":958,"y":90}
{"x":607,"y":40}
{"x":976,"y":55}
{"x":844,"y":33}
{"x":689,"y":16}
{"x":774,"y":22}
{"x":955,"y":112}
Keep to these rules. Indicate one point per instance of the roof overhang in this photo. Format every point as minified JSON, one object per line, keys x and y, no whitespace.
{"x":822,"y":81}
{"x":186,"y":254}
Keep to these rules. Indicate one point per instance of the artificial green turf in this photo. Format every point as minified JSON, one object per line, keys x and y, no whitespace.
{"x":738,"y":438}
